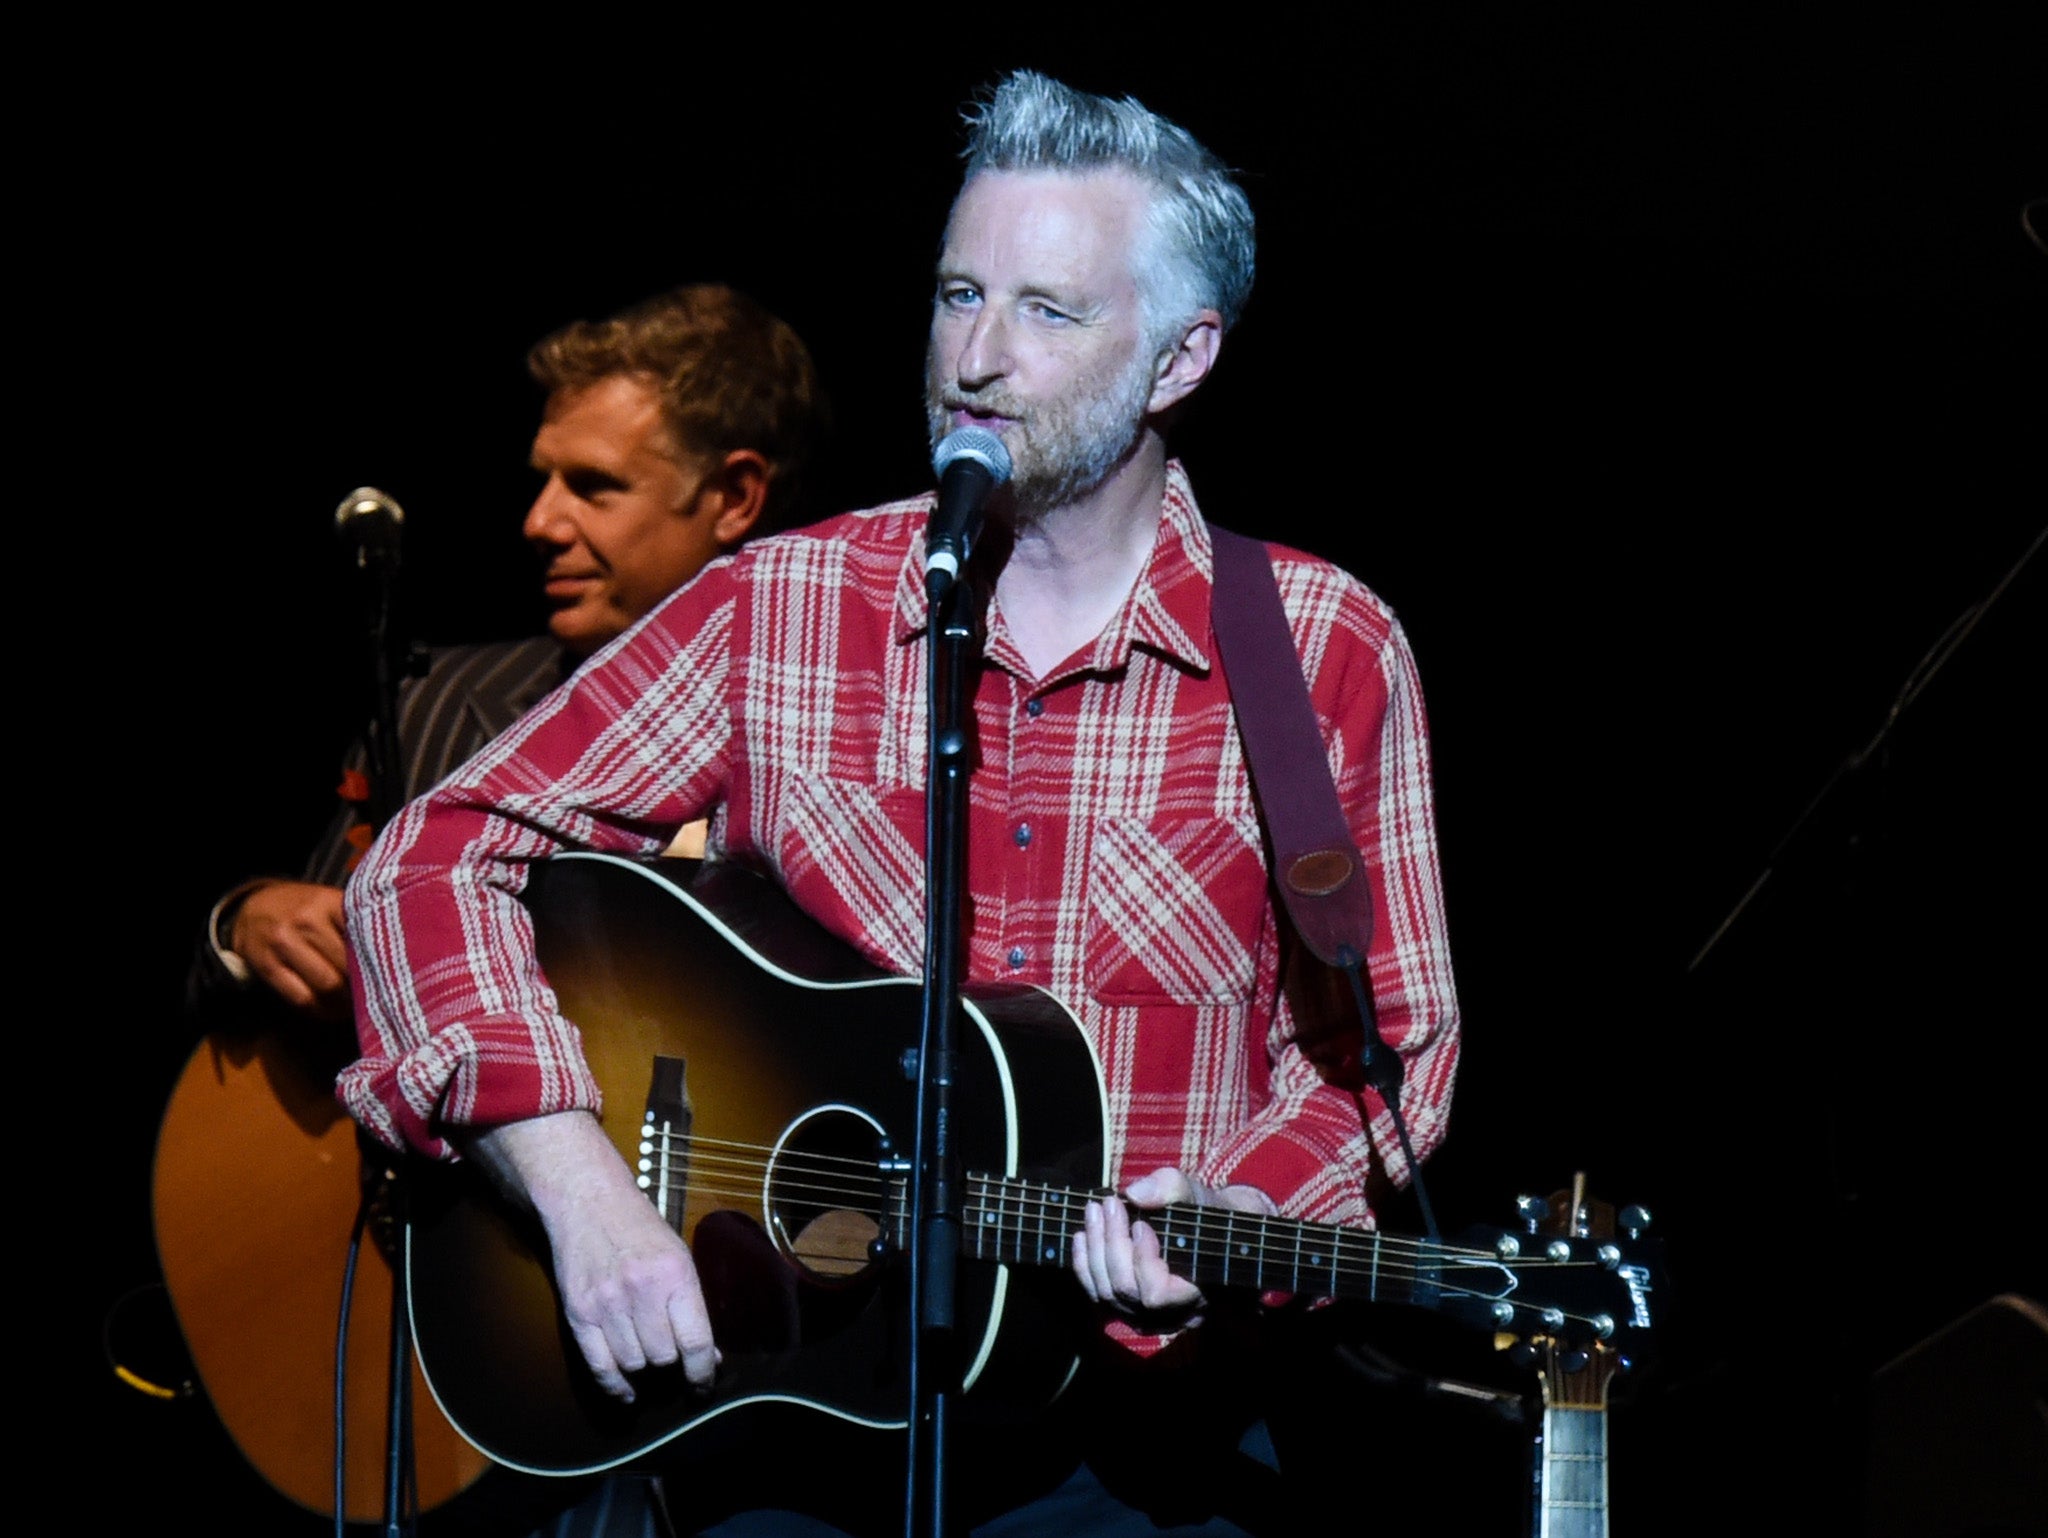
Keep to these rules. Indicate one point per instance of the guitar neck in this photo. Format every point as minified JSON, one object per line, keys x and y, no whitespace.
{"x":1571,"y":1455}
{"x":1571,"y":1493}
{"x":1022,"y":1222}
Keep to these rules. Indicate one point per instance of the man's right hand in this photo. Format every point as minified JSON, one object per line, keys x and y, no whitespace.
{"x":629,"y":1288}
{"x":291,"y":936}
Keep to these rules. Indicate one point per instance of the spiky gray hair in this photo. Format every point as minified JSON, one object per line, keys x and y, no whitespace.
{"x":1201,"y":250}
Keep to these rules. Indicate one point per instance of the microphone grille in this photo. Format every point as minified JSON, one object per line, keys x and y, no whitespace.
{"x":367,"y":502}
{"x":976,"y":443}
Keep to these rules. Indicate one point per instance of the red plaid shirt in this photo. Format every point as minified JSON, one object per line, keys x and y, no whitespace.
{"x":1114,"y":855}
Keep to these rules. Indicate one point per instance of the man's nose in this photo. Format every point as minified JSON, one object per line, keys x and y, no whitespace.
{"x":547,"y":521}
{"x":984,"y":355}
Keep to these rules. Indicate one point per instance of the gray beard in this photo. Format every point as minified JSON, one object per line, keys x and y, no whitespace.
{"x":1064,"y":451}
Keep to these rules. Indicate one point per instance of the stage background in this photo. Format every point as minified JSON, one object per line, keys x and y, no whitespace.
{"x":1678,"y":384}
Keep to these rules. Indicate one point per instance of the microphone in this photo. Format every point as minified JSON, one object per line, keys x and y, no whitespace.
{"x":369,"y":523}
{"x":970,"y":462}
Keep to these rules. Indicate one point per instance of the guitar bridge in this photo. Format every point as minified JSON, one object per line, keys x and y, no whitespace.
{"x":664,"y":1168}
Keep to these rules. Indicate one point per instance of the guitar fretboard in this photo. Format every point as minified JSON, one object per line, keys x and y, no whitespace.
{"x":1572,"y":1502}
{"x":1024,"y":1223}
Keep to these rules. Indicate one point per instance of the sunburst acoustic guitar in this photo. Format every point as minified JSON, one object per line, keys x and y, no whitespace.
{"x":757,"y":1074}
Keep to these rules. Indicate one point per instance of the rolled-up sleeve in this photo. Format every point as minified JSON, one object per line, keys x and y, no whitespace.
{"x":457,"y":1026}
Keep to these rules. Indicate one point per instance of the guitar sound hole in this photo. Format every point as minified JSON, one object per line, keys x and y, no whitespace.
{"x":826,"y":1198}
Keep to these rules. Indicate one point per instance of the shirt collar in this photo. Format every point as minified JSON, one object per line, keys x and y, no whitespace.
{"x":1167,"y":611}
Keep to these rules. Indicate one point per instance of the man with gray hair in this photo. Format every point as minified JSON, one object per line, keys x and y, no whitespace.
{"x":1092,"y":263}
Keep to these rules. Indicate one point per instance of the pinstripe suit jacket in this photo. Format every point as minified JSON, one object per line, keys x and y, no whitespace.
{"x":468,"y":695}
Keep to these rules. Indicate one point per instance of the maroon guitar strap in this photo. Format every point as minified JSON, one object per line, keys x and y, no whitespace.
{"x":1316,"y":863}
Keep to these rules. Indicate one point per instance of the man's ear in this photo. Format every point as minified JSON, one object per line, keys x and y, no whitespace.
{"x":1188,"y":361}
{"x":733,"y":495}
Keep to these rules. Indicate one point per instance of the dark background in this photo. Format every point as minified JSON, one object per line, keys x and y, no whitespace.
{"x":1679,"y":384}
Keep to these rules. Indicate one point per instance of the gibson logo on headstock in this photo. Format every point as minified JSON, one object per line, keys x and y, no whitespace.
{"x":1637,"y":1280}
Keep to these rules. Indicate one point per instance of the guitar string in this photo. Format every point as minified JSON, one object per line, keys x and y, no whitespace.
{"x":853,"y":1182}
{"x":1023,"y":1210}
{"x":1380,"y":1274}
{"x":1222,"y":1239}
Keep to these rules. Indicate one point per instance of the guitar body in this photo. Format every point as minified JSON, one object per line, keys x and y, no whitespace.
{"x":763,"y":1066}
{"x":256,"y":1184}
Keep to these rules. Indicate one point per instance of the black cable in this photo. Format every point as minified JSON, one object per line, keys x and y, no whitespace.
{"x":348,"y":1288}
{"x":1382,"y":1068}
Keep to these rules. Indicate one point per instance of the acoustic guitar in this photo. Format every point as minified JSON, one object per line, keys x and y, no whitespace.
{"x":258,"y":1179}
{"x":760,"y":1077}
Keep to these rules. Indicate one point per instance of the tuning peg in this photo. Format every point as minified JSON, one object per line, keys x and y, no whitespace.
{"x":1574,"y":1360}
{"x":1523,"y":1354}
{"x":1634,"y":1220}
{"x":1533,"y":1210}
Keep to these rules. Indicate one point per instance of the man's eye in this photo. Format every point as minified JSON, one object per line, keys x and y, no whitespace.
{"x":1048,"y":313}
{"x":589,"y":484}
{"x":959,"y":296}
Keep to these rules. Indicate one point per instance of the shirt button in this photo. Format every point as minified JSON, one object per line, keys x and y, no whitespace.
{"x":1034,"y":706}
{"x":1023,"y":835}
{"x":1016,"y":957}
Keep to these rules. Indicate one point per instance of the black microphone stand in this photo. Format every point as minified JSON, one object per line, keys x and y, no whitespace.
{"x":952,"y":643}
{"x":387,"y":657}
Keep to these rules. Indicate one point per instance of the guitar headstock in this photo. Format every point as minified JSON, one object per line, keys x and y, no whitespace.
{"x":1572,"y":1272}
{"x":1579,"y":1359}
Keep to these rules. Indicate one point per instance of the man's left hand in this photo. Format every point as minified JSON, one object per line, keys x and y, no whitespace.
{"x":1117,"y":1257}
